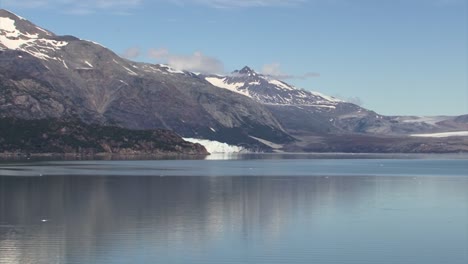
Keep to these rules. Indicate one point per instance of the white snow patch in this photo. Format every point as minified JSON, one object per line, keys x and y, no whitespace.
{"x":302,"y":94}
{"x":216,"y":146}
{"x":54,"y":43}
{"x":130,"y":71}
{"x":281,"y":85}
{"x":326,"y":97}
{"x":326,"y":106}
{"x":124,"y":82}
{"x":89,"y":64}
{"x":212,"y":129}
{"x":254,"y":83}
{"x":221,"y":83}
{"x":10,"y":36}
{"x":443,"y":134}
{"x":171,"y":70}
{"x":39,"y":55}
{"x":14,"y":39}
{"x":8,"y":24}
{"x":65,"y":64}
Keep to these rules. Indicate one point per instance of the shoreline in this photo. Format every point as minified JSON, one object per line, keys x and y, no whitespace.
{"x":20,"y":156}
{"x":8,"y":156}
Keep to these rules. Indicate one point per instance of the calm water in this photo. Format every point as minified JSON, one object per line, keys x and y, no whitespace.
{"x":262,"y":210}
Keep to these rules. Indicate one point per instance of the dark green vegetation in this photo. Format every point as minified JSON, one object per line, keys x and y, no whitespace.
{"x":72,"y":136}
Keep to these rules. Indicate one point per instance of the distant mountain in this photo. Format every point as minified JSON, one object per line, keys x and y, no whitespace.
{"x":43,"y":75}
{"x":306,"y":112}
{"x":268,"y":90}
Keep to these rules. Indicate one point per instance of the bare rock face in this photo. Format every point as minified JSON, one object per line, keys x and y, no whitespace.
{"x":43,"y":75}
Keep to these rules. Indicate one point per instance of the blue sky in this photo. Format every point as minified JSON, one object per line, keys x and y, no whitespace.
{"x":397,"y":57}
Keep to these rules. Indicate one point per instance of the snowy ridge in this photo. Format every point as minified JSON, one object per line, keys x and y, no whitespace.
{"x":268,"y":90}
{"x":222,"y":82}
{"x":33,"y":43}
{"x":327,"y":97}
{"x":281,"y":84}
{"x":216,"y":146}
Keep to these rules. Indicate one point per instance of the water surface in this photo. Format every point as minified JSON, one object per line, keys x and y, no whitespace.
{"x":235,"y":211}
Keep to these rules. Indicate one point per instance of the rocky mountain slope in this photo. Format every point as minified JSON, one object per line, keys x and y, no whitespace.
{"x":43,"y":75}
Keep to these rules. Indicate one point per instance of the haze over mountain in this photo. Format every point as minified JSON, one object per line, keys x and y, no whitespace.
{"x":43,"y":75}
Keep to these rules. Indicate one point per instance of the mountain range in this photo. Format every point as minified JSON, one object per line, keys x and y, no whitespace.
{"x":43,"y":75}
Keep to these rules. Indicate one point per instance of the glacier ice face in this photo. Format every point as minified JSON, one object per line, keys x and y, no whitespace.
{"x":214,"y":147}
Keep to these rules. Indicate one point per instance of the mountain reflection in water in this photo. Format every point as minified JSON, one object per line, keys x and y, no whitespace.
{"x":277,"y":219}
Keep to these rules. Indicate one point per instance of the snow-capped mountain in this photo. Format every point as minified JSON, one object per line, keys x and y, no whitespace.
{"x":301,"y":111}
{"x":268,"y":90}
{"x":298,"y":109}
{"x":16,"y":33}
{"x":43,"y":75}
{"x":19,"y":34}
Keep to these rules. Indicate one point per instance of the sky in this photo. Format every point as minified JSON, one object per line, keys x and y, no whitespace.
{"x":396,"y":57}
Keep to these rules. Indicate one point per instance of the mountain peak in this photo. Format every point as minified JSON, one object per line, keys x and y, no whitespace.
{"x":246,"y":71}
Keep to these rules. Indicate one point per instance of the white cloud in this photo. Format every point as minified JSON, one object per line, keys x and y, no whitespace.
{"x":274,"y":70}
{"x":158,"y":54}
{"x":76,"y":6}
{"x":354,"y":100}
{"x":131,"y":53}
{"x":196,"y":62}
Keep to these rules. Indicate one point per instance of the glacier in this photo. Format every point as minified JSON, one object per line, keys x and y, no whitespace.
{"x":214,"y":147}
